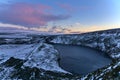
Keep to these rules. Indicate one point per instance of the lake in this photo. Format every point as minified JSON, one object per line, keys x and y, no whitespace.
{"x":81,"y":60}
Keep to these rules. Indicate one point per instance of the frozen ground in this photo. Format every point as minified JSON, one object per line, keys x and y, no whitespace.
{"x":31,"y":57}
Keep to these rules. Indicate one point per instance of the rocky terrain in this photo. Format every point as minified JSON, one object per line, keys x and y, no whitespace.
{"x":32,"y":57}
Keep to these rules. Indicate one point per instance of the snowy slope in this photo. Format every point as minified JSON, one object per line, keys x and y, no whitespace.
{"x":30,"y":57}
{"x":107,"y":41}
{"x":39,"y":55}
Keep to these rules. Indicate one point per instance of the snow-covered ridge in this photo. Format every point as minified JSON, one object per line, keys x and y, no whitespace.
{"x":108,"y":42}
{"x":36,"y":53}
{"x":110,"y":72}
{"x":41,"y":55}
{"x":45,"y":57}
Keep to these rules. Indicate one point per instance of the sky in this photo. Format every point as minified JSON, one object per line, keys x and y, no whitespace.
{"x":59,"y":16}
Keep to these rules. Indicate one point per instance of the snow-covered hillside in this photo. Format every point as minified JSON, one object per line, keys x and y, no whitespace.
{"x":107,"y":41}
{"x":31,"y":57}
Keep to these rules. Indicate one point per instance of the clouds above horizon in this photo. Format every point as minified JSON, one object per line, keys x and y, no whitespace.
{"x":31,"y":15}
{"x":47,"y":29}
{"x":60,"y":15}
{"x":78,"y":28}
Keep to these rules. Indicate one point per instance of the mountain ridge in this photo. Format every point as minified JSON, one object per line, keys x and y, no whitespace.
{"x":41,"y":53}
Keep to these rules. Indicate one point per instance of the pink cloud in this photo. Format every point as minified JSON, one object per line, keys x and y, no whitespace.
{"x":29,"y":15}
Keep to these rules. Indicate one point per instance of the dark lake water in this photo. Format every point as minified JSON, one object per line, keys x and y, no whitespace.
{"x":81,"y":60}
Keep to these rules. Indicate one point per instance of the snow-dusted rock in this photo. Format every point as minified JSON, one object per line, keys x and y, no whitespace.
{"x":106,"y":41}
{"x":41,"y":55}
{"x":31,"y":58}
{"x":45,"y":57}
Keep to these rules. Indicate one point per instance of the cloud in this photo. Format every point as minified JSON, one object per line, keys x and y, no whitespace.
{"x":46,"y":29}
{"x":30,"y":14}
{"x":2,"y":25}
{"x":58,"y":29}
{"x":76,"y":28}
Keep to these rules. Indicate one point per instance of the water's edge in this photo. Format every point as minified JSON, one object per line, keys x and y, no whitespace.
{"x":63,"y":61}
